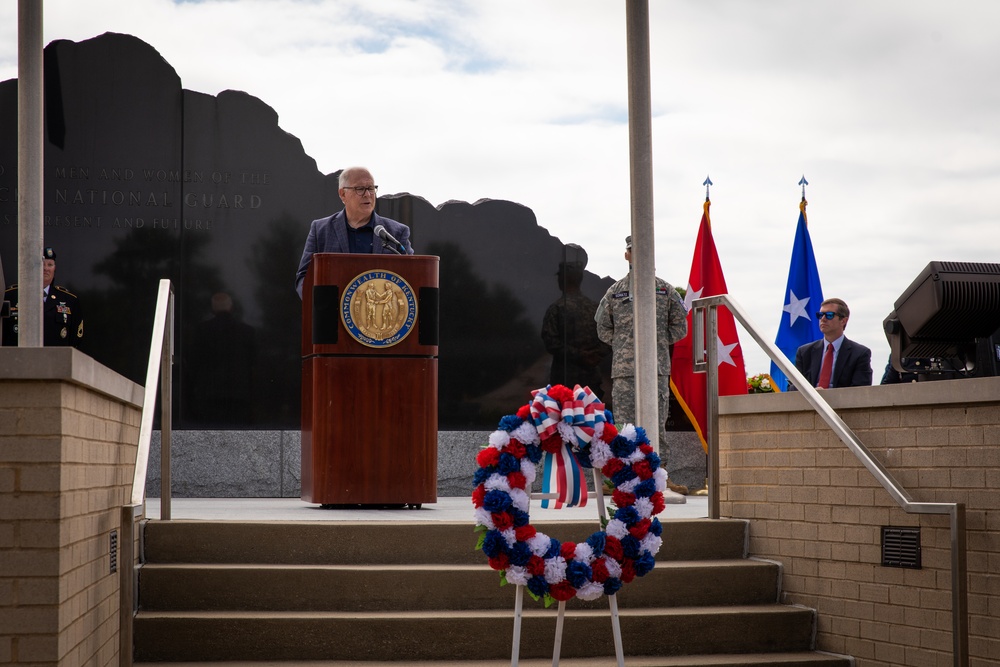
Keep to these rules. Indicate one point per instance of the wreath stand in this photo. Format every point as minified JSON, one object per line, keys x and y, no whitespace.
{"x":612,"y":599}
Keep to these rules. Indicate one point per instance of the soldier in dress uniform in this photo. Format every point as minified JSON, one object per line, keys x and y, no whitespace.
{"x":62,"y":315}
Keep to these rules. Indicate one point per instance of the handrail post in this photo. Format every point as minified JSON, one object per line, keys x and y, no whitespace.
{"x":712,"y":428}
{"x":166,"y":404}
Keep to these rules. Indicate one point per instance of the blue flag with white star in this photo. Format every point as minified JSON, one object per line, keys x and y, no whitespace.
{"x":803,"y":297}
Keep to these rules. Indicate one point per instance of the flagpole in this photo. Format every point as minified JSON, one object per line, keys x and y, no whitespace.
{"x":643,"y":268}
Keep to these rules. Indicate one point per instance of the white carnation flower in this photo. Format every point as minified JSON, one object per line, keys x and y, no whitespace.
{"x":521,"y":499}
{"x":651,"y":543}
{"x":499,"y":439}
{"x":509,"y":537}
{"x":636,"y":456}
{"x":614,"y":567}
{"x":628,"y":432}
{"x":517,"y":575}
{"x":539,"y":544}
{"x":600,"y":453}
{"x":555,"y":570}
{"x":483,"y":518}
{"x":584,"y":553}
{"x":566,"y":432}
{"x":589,"y":591}
{"x":528,"y":470}
{"x":526,"y":433}
{"x":496,"y":481}
{"x":660,"y":478}
{"x":644,"y":507}
{"x":629,"y":486}
{"x":616,"y":528}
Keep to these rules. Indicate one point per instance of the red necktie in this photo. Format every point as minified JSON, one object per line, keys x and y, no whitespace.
{"x":827,"y":369}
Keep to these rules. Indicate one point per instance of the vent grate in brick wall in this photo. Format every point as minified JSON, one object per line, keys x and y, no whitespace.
{"x":900,"y":547}
{"x":114,"y":551}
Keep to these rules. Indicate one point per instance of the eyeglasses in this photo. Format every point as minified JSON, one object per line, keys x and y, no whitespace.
{"x":362,"y":189}
{"x":829,"y":314}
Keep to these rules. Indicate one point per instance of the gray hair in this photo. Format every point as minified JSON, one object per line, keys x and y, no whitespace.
{"x":345,"y":176}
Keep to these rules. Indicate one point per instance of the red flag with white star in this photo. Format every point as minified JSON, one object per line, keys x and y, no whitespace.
{"x":689,"y":387}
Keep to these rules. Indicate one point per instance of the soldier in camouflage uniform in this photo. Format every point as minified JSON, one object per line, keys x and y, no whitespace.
{"x":568,"y":329}
{"x":615,"y":326}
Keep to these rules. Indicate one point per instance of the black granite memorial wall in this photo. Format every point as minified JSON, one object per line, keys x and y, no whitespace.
{"x":146,"y":180}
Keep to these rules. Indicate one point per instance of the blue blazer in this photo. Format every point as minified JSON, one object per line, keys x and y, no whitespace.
{"x":329,"y":234}
{"x":853,"y":367}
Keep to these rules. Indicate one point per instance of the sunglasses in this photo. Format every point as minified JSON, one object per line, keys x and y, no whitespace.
{"x":829,"y":314}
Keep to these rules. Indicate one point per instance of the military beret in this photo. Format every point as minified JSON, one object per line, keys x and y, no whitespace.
{"x":49,"y":253}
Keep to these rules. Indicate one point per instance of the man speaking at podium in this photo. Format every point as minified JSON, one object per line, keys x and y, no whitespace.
{"x":355,"y":229}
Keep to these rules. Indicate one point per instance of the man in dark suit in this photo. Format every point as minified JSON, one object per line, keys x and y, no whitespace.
{"x":834,"y":361}
{"x":353,"y":228}
{"x":62,"y":316}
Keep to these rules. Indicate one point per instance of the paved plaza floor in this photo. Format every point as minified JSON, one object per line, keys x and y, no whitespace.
{"x":445,"y":509}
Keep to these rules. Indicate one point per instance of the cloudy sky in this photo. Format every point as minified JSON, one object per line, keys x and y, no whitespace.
{"x":890,"y":108}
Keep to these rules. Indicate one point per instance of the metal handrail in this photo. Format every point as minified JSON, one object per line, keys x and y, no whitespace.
{"x":158,"y":371}
{"x":706,"y":360}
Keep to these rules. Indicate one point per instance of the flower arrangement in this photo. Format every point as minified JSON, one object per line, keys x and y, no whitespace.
{"x":760,"y":384}
{"x":548,"y":568}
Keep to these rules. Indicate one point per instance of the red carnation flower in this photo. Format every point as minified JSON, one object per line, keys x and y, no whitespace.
{"x":477,"y":496}
{"x":623,"y":498}
{"x":562,"y":591}
{"x":488,"y":457}
{"x":524,"y":533}
{"x":515,"y":449}
{"x":612,"y":467}
{"x":500,"y":561}
{"x":567,"y":549}
{"x":502,"y":520}
{"x":642,"y":469}
{"x":599,"y":570}
{"x":613,"y":548}
{"x":609,"y":433}
{"x":517,"y":480}
{"x":560,"y":393}
{"x":536,"y":566}
{"x":658,"y":504}
{"x":524,"y":412}
{"x":639,"y":530}
{"x":628,"y":570}
{"x":646,"y":448}
{"x":552,"y":444}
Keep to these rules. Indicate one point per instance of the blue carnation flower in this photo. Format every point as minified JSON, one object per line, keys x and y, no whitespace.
{"x":578,"y":573}
{"x":482,"y":474}
{"x":654,"y":460}
{"x":630,"y":547}
{"x":627,"y":515}
{"x":534,"y":453}
{"x":554,"y":547}
{"x":645,"y":488}
{"x":510,"y":423}
{"x":609,"y":416}
{"x":583,"y":456}
{"x":494,"y":544}
{"x":538,"y":585}
{"x":520,"y":554}
{"x":508,"y":464}
{"x":644,"y":564}
{"x":622,"y":447}
{"x":624,"y":475}
{"x":496,"y":501}
{"x":597,"y":542}
{"x":520,"y":518}
{"x":655,"y":527}
{"x":611,"y":585}
{"x":640,"y":436}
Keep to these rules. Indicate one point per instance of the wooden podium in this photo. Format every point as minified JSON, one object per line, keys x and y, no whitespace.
{"x":370,"y":379}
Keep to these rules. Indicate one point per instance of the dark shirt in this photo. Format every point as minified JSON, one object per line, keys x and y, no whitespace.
{"x":362,"y":238}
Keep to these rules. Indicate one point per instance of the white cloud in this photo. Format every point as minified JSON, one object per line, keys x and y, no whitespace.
{"x":888,"y":108}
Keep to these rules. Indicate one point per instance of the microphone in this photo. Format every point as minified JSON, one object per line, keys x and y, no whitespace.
{"x":396,"y":246}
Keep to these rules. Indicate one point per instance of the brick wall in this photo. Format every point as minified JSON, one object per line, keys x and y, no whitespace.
{"x":813,"y":507}
{"x":68,"y":434}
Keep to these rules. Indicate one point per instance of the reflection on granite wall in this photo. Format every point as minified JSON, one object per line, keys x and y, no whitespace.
{"x":146,"y":180}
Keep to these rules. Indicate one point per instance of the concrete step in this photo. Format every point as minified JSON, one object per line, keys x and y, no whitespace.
{"x":444,"y":543}
{"x":794,"y":659}
{"x":268,"y":587}
{"x":486,"y":635}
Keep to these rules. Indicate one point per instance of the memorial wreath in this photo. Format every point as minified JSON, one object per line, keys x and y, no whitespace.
{"x":559,"y":419}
